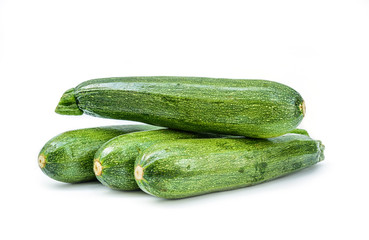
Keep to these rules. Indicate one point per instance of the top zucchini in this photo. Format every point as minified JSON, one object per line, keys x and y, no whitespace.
{"x":253,"y":108}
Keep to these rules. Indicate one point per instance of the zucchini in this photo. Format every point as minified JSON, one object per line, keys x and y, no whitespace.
{"x":188,"y":167}
{"x":253,"y":108}
{"x":114,"y":161}
{"x":68,"y":157}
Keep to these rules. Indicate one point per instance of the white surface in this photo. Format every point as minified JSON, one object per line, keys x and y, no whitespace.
{"x":318,"y":47}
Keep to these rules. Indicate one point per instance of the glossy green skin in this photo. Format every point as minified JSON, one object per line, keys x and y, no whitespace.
{"x":117,"y":156}
{"x":253,"y":108}
{"x":189,"y":167}
{"x":69,"y":156}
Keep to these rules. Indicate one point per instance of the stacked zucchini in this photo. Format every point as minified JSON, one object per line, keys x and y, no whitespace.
{"x":200,"y":135}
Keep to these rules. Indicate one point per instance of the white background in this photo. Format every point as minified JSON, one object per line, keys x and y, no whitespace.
{"x":318,"y":47}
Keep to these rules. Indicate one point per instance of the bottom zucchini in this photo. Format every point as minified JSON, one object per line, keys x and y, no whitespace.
{"x":114,"y":161}
{"x":188,"y":167}
{"x":68,"y":157}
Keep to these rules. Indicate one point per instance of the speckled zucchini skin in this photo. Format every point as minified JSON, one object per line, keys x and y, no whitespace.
{"x":189,"y":167}
{"x":68,"y":157}
{"x":117,"y":156}
{"x":253,"y":108}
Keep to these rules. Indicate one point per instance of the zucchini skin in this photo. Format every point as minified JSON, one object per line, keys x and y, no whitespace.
{"x":246,"y":107}
{"x":189,"y":167}
{"x":116,"y":158}
{"x":68,"y":157}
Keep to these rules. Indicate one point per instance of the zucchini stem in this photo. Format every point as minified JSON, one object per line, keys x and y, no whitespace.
{"x":139,"y":173}
{"x":97,"y":167}
{"x":41,"y":161}
{"x":321,"y":151}
{"x":68,"y":104}
{"x":303,"y":108}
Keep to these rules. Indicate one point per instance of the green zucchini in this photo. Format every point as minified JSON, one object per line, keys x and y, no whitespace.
{"x":68,"y":157}
{"x":253,"y":108}
{"x":114,"y":161}
{"x":188,"y":167}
